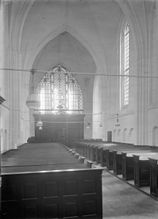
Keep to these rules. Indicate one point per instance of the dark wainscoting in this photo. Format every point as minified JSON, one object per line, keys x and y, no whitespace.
{"x":154,"y":177}
{"x":52,"y":194}
{"x":63,"y":128}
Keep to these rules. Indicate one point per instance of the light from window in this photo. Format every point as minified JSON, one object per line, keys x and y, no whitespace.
{"x":124,"y":66}
{"x":60,"y":92}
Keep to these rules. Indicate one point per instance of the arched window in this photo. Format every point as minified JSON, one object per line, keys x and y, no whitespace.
{"x":1,"y":39}
{"x":59,"y":92}
{"x":124,"y":65}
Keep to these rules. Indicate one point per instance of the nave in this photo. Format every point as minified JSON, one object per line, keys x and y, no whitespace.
{"x":83,"y":73}
{"x":119,"y":199}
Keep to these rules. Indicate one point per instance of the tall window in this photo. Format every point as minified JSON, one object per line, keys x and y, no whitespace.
{"x":124,"y":65}
{"x":1,"y":37}
{"x":60,"y":92}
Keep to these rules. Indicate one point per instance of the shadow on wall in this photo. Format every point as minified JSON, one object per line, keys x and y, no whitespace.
{"x":130,"y":135}
{"x":126,"y":136}
{"x":3,"y":140}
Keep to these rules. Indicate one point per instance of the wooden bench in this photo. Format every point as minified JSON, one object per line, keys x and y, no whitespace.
{"x":104,"y":157}
{"x":89,"y":163}
{"x":52,"y":194}
{"x":127,"y":167}
{"x":109,"y":159}
{"x":141,"y":171}
{"x":117,"y":162}
{"x":99,"y":154}
{"x":94,"y":153}
{"x":128,"y":163}
{"x":153,"y":177}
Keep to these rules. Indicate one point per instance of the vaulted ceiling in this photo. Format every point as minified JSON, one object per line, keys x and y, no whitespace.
{"x":79,"y":34}
{"x":82,"y":34}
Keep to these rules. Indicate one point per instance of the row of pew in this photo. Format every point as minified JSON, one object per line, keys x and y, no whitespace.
{"x":55,"y":183}
{"x":129,"y":161}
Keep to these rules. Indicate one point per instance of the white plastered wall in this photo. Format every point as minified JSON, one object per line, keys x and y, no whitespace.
{"x":153,"y":87}
{"x":138,"y":121}
{"x":14,"y":114}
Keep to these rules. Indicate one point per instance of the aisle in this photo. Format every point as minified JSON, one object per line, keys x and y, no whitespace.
{"x":122,"y":201}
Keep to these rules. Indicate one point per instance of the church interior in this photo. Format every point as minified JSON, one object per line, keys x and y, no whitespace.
{"x":79,"y":109}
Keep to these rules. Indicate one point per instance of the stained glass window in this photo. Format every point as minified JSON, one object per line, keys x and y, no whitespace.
{"x":59,"y":92}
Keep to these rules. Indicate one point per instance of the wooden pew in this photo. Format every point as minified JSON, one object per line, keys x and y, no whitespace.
{"x":127,"y":167}
{"x":94,"y":153}
{"x":104,"y":158}
{"x":99,"y":154}
{"x":141,"y":171}
{"x":60,"y":187}
{"x":52,"y":194}
{"x":89,"y":151}
{"x":128,"y":163}
{"x":142,"y":168}
{"x":153,"y":177}
{"x":82,"y":159}
{"x":117,"y":162}
{"x":134,"y":163}
{"x":109,"y":159}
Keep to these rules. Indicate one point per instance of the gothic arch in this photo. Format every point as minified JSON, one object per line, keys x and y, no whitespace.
{"x":55,"y":33}
{"x":131,"y":17}
{"x":17,"y":28}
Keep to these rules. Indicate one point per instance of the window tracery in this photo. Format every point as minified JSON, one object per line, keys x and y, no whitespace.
{"x":60,"y":92}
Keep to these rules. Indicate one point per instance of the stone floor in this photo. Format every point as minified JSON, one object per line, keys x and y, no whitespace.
{"x":121,"y":200}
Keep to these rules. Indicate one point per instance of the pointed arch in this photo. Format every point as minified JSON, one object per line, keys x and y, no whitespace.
{"x":54,"y":34}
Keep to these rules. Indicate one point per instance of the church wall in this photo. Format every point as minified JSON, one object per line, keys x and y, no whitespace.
{"x":138,"y":119}
{"x":13,"y":133}
{"x":4,"y":109}
{"x":153,"y":82}
{"x":127,"y":114}
{"x":154,"y":58}
{"x":152,"y":127}
{"x":111,"y":95}
{"x":97,"y":108}
{"x":4,"y":132}
{"x":87,"y":89}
